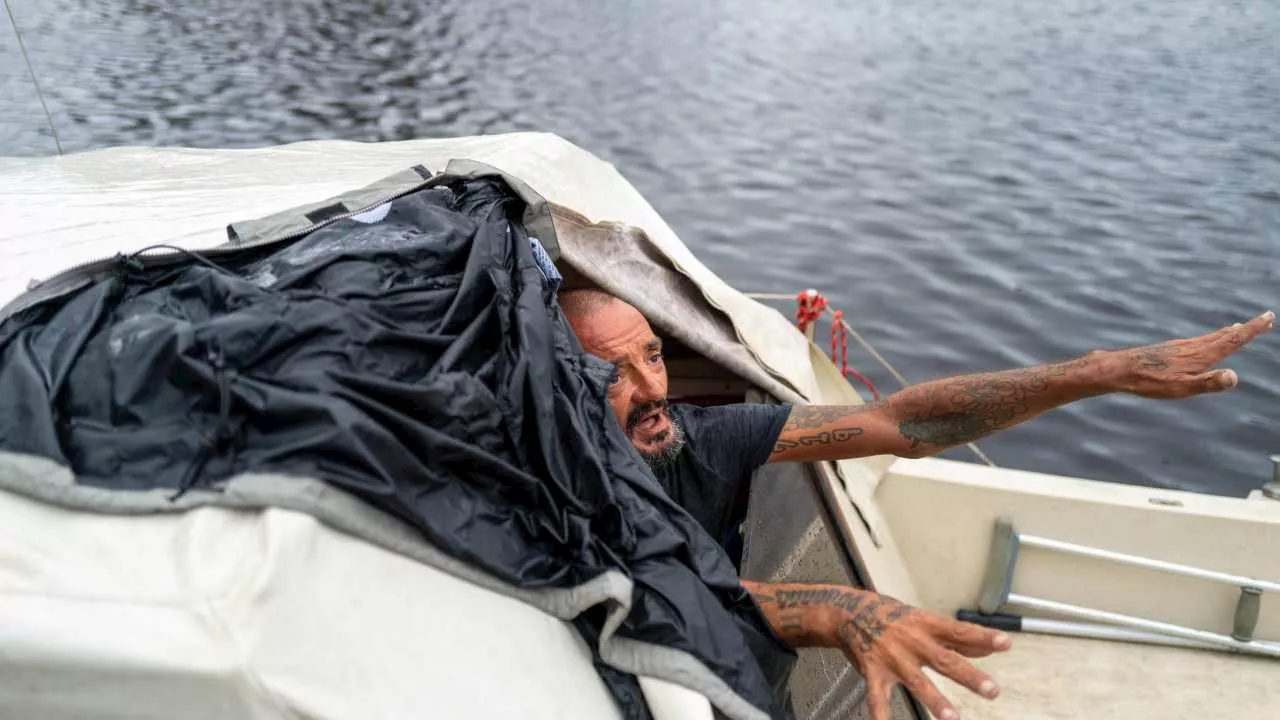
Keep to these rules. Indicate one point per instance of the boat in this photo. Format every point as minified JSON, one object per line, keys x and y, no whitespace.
{"x":1131,"y":602}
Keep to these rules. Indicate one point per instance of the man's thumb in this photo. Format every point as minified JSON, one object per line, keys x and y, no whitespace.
{"x":1219,"y":380}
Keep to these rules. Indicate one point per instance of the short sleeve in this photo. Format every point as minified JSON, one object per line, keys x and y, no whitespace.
{"x":741,"y":437}
{"x":724,"y":445}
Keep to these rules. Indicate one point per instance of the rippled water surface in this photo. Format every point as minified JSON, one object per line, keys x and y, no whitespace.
{"x":979,"y":184}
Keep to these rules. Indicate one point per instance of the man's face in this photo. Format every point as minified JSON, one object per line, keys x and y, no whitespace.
{"x":619,"y":334}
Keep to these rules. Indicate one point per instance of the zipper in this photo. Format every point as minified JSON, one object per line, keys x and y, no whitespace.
{"x":66,"y":280}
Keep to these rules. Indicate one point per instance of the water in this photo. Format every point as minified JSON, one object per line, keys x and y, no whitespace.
{"x":979,"y":184}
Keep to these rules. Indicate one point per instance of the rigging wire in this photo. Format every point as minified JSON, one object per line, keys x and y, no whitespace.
{"x":31,"y":71}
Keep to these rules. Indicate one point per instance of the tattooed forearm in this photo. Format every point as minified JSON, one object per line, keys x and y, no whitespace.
{"x":809,"y":417}
{"x":947,"y":412}
{"x":816,"y":432}
{"x":930,"y":417}
{"x":826,"y":615}
{"x":834,"y":597}
{"x":793,"y":622}
{"x":823,"y":437}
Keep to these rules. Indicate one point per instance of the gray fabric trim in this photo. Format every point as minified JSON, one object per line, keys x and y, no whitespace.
{"x":679,"y":667}
{"x":47,"y":290}
{"x":45,"y":480}
{"x":294,"y":220}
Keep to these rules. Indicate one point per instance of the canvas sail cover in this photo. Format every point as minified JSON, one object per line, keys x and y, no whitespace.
{"x":407,"y":353}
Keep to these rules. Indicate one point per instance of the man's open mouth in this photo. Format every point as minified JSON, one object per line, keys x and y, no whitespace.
{"x":647,"y":419}
{"x":651,"y":421}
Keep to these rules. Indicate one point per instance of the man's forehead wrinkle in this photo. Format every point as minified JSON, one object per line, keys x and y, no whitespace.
{"x":621,"y":343}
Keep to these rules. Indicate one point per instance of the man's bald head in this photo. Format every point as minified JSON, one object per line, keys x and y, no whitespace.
{"x":579,"y":304}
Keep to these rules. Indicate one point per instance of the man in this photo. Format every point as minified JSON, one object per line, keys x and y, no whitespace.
{"x":704,"y":457}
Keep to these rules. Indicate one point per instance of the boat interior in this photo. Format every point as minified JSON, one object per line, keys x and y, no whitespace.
{"x":943,"y":535}
{"x":925,"y":531}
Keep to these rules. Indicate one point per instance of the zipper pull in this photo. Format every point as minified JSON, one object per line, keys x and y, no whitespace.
{"x":128,"y":263}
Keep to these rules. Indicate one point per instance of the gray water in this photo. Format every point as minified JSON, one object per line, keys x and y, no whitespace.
{"x":978,"y":184}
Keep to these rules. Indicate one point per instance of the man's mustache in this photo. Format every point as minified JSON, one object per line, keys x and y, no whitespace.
{"x":638,"y":413}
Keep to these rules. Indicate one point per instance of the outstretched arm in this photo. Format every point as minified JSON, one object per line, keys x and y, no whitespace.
{"x":887,"y":641}
{"x":930,"y":417}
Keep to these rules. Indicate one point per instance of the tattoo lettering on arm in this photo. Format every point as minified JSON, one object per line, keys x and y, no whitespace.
{"x":950,"y":412}
{"x":823,"y":437}
{"x":796,"y":607}
{"x":827,"y":615}
{"x":764,"y":598}
{"x":819,"y":596}
{"x":793,"y":627}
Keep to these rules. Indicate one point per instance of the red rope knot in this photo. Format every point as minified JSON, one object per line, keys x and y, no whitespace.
{"x":809,"y":307}
{"x":840,"y":336}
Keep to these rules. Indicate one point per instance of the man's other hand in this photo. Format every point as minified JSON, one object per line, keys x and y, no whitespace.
{"x":1183,"y":368}
{"x":891,"y":643}
{"x":887,"y":641}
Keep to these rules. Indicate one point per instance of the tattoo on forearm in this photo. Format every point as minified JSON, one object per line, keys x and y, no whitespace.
{"x":809,"y":417}
{"x":823,"y":437}
{"x":764,"y":598}
{"x":794,"y":609}
{"x":797,"y":613}
{"x":820,"y":596}
{"x":793,"y":628}
{"x":949,"y":412}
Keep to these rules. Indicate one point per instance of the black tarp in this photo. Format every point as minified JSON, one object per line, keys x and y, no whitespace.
{"x":419,"y":362}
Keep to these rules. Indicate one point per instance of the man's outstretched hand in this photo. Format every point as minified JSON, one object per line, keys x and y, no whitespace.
{"x":1182,"y":368}
{"x":887,"y":641}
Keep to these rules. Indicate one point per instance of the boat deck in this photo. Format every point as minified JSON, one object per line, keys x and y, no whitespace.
{"x":1120,"y":681}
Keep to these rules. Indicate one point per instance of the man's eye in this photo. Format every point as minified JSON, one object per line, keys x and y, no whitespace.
{"x":615,"y":377}
{"x":656,"y":358}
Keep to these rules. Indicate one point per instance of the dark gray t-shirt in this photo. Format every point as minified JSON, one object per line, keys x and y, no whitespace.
{"x":710,"y":479}
{"x":724,"y":445}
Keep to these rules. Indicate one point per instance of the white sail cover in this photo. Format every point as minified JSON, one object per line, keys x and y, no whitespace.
{"x":201,"y":614}
{"x":60,"y":211}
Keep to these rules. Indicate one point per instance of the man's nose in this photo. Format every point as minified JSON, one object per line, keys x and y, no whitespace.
{"x":650,"y":386}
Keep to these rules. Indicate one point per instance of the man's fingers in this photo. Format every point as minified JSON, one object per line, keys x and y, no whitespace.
{"x":971,"y":640}
{"x":1263,"y":323}
{"x":963,"y":672}
{"x":1237,"y":335}
{"x":878,"y":687}
{"x":927,"y":693}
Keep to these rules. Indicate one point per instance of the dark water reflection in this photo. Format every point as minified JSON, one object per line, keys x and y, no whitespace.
{"x":979,"y":184}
